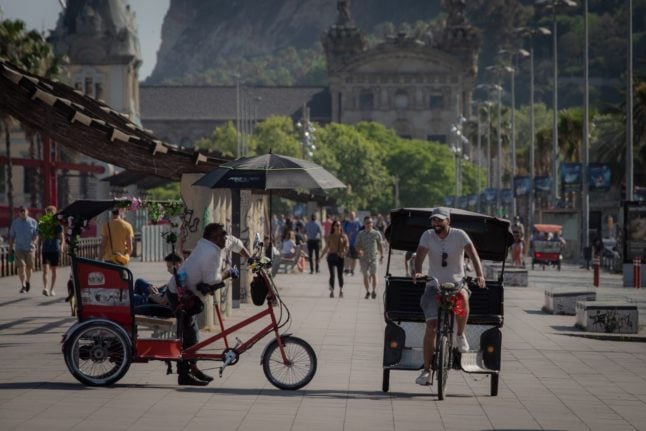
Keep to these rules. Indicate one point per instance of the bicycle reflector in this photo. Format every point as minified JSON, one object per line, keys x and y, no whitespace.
{"x":395,"y":338}
{"x":490,"y":342}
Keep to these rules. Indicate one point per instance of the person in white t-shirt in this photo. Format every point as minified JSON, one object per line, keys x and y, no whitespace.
{"x":205,"y":264}
{"x":445,"y":247}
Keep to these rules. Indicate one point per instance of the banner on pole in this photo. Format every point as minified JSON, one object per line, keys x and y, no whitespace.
{"x":522,"y":185}
{"x":571,"y":177}
{"x":542,"y":184}
{"x":506,"y":196}
{"x":490,"y":195}
{"x":599,"y":176}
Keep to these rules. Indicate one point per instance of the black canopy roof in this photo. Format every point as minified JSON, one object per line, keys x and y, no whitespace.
{"x":491,"y":236}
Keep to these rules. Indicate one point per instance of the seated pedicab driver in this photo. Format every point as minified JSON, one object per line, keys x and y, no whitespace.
{"x":445,"y":247}
{"x":203,"y":265}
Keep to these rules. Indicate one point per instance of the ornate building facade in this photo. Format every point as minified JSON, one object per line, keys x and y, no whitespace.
{"x":417,"y":87}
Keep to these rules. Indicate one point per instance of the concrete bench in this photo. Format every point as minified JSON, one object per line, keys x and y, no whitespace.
{"x":611,"y":317}
{"x":514,"y":276}
{"x":563,"y":301}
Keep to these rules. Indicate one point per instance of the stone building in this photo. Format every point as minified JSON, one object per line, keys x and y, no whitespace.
{"x":417,"y":87}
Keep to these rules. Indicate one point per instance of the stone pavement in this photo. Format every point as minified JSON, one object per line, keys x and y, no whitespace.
{"x":550,"y":379}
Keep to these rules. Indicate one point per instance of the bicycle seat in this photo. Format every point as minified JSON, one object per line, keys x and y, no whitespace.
{"x":209,"y":289}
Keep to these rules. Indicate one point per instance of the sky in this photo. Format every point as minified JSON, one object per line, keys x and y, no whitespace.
{"x":42,"y":15}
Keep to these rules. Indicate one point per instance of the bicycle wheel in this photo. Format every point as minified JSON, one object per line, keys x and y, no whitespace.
{"x":443,"y":365}
{"x":299,"y":369}
{"x":97,"y":353}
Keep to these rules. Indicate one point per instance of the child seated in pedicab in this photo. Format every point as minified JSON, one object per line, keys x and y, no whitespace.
{"x":147,"y":293}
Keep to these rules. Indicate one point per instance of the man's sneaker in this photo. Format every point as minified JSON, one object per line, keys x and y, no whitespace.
{"x":367,"y":295}
{"x":22,"y":289}
{"x":424,"y":378}
{"x":463,"y":344}
{"x":27,"y":286}
{"x":45,"y":292}
{"x":52,"y":293}
{"x":331,"y":293}
{"x":374,"y":294}
{"x":340,"y":294}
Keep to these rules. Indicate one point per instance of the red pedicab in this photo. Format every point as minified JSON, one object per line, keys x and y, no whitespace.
{"x":100,"y":347}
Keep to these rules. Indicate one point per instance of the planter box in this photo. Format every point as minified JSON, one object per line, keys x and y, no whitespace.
{"x":563,"y":301}
{"x":514,"y":276}
{"x":611,"y":317}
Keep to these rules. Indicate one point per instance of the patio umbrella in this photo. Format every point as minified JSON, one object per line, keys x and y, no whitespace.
{"x":270,"y":172}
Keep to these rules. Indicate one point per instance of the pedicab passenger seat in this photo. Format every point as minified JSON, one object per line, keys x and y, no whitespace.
{"x":403,"y":297}
{"x":157,"y":318}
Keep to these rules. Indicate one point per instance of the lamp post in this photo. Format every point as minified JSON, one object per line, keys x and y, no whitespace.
{"x":458,"y":152}
{"x":498,"y":89}
{"x":515,"y":54}
{"x":585,"y":195}
{"x":307,"y":134}
{"x":553,"y":5}
{"x":531,"y":32}
{"x":629,"y":108}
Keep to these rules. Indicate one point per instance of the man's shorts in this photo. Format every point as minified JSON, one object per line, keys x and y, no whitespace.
{"x":352,"y":252}
{"x":25,"y":258}
{"x":428,"y":301}
{"x":51,"y":258}
{"x":368,"y":266}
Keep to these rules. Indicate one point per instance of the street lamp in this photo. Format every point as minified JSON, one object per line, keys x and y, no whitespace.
{"x":307,"y":130}
{"x":531,"y":32}
{"x":458,"y":151}
{"x":515,"y":54}
{"x":498,"y":89}
{"x":554,"y":5}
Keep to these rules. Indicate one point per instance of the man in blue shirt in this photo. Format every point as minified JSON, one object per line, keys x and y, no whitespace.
{"x":351,"y":227}
{"x":22,"y":241}
{"x":314,"y":233}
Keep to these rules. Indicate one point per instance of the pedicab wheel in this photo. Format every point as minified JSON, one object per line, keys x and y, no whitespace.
{"x":299,"y":368}
{"x":443,"y":365}
{"x":385,"y":382}
{"x":494,"y":384}
{"x":97,"y":353}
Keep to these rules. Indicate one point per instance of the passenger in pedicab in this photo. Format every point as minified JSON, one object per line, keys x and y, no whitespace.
{"x":203,"y":265}
{"x":445,"y":247}
{"x":145,"y":292}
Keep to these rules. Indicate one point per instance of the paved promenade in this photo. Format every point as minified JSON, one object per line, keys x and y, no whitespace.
{"x":551,"y":379}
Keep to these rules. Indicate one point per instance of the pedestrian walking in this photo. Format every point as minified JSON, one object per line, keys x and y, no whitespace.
{"x":351,"y":227}
{"x":52,"y":242}
{"x":336,"y":245}
{"x":23,"y":234}
{"x":368,"y":244}
{"x":116,"y":241}
{"x":313,"y":232}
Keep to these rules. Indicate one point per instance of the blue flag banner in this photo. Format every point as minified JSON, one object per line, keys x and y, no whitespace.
{"x":506,"y":196}
{"x":448,"y":201}
{"x":472,"y":200}
{"x":542,"y":184}
{"x":522,"y":185}
{"x":571,"y":176}
{"x":462,"y":202}
{"x":599,"y":176}
{"x":490,"y":195}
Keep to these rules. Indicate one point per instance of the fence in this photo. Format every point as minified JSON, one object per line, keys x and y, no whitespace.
{"x":86,"y":247}
{"x":153,"y":245}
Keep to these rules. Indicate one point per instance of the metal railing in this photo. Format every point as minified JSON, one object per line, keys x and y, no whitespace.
{"x":86,"y":247}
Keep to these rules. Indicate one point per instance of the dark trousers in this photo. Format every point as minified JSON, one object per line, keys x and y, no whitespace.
{"x":335,"y":262}
{"x":313,"y":246}
{"x":187,"y":330}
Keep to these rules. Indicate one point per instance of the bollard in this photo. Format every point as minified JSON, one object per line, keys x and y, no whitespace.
{"x":637,"y":269}
{"x":596,"y":263}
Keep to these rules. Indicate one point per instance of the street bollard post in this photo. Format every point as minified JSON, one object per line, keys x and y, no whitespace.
{"x":596,"y":263}
{"x":637,"y":269}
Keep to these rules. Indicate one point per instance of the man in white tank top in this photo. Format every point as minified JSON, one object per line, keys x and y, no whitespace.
{"x":445,"y":247}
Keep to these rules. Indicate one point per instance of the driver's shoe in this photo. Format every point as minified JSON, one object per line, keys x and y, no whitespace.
{"x":187,"y":379}
{"x":196,"y":372}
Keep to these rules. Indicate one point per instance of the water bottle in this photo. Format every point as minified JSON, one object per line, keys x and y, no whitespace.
{"x":182,"y":280}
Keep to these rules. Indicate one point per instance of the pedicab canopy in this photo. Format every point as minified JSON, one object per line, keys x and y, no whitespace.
{"x":553,"y":228}
{"x":491,"y":236}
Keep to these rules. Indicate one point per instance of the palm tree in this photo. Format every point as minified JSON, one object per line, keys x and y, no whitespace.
{"x":29,"y":51}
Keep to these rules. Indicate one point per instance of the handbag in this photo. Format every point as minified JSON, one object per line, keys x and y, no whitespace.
{"x":120,"y":258}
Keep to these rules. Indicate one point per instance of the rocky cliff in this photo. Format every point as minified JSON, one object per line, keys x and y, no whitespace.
{"x":199,"y":34}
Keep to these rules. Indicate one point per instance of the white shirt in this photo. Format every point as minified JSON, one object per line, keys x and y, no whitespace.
{"x":453,"y":245}
{"x":205,"y":263}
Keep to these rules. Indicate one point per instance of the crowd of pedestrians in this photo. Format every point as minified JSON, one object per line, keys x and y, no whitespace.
{"x":342,"y":240}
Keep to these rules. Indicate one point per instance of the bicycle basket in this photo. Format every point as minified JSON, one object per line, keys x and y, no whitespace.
{"x":259,"y":290}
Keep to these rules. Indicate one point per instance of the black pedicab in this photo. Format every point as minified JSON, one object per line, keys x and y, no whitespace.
{"x":107,"y":338}
{"x":405,"y":323}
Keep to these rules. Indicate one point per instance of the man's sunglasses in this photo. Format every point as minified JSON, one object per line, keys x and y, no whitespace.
{"x":445,"y":255}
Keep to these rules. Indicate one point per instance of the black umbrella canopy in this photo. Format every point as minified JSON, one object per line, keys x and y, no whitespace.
{"x":270,"y":172}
